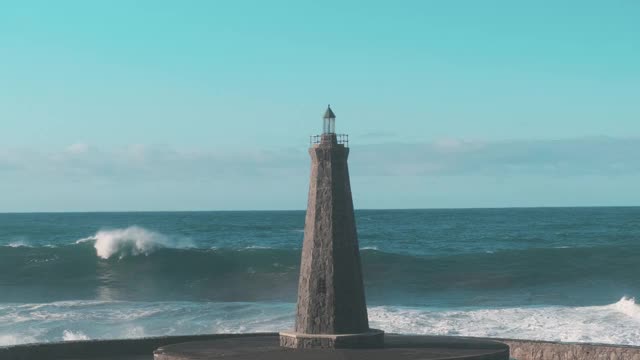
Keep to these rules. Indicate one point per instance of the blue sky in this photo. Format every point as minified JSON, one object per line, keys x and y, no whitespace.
{"x":204,"y":105}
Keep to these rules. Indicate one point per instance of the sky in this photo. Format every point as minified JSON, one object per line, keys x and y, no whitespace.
{"x":207,"y":105}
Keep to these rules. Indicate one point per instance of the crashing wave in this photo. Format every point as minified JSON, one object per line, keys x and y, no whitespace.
{"x":617,"y":323}
{"x":627,"y":306}
{"x":17,"y":244}
{"x":68,"y":335}
{"x":131,"y":241}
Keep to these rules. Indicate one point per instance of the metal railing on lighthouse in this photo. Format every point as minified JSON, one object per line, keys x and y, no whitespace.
{"x":342,"y":139}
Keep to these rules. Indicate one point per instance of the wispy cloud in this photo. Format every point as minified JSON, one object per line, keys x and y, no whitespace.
{"x":583,"y":156}
{"x":443,"y":157}
{"x":140,"y":162}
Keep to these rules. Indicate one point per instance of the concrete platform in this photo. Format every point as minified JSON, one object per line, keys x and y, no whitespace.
{"x":371,"y":339}
{"x":395,"y":347}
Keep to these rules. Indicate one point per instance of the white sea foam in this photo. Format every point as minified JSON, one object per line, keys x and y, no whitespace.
{"x":131,"y":241}
{"x":617,"y":323}
{"x":19,"y":243}
{"x":68,"y":335}
{"x":369,"y":248}
{"x":6,"y":340}
{"x":134,"y":332}
{"x":84,"y":240}
{"x":256,"y":247}
{"x":112,"y":320}
{"x":627,"y":306}
{"x":9,"y":339}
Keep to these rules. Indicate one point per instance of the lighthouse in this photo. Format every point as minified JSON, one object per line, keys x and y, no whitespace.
{"x":331,"y":308}
{"x":331,"y":315}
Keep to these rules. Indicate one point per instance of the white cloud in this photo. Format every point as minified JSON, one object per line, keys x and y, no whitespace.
{"x":447,"y":173}
{"x":144,"y":162}
{"x":582,"y":156}
{"x":456,"y":145}
{"x":138,"y":162}
{"x":78,"y":148}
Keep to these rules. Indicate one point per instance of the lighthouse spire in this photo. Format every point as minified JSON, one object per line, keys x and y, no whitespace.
{"x":329,"y":113}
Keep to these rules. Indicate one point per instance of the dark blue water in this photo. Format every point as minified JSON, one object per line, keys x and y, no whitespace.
{"x":549,"y":273}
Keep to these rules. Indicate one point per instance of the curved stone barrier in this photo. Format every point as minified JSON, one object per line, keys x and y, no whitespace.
{"x":519,"y":349}
{"x":88,"y":349}
{"x":396,"y":347}
{"x":548,"y":350}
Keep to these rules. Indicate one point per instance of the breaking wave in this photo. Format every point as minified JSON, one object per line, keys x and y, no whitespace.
{"x":20,"y":243}
{"x":68,"y":335}
{"x":627,"y":306}
{"x":131,"y":241}
{"x":615,"y":323}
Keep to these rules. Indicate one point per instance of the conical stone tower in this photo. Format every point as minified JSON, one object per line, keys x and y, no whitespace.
{"x":331,"y":308}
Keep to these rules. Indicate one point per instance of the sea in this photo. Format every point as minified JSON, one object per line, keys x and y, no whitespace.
{"x":563,"y":274}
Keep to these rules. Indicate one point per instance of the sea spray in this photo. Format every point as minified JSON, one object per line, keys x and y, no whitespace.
{"x":15,"y":245}
{"x":68,"y":335}
{"x":19,"y":243}
{"x":627,"y":306}
{"x":131,"y":241}
{"x":10,"y":339}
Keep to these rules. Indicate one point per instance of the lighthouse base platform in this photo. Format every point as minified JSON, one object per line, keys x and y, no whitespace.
{"x":370,"y":339}
{"x":394,"y":347}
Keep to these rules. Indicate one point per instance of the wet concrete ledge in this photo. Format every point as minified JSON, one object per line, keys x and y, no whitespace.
{"x":143,"y":349}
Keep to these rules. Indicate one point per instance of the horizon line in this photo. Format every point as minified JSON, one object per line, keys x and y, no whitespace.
{"x":302,"y":210}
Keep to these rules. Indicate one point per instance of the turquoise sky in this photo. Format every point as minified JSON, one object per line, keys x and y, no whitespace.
{"x":204,"y":105}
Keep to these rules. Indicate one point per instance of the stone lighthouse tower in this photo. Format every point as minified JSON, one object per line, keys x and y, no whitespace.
{"x":331,"y":309}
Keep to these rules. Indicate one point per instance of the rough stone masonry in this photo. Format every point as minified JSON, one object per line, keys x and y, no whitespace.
{"x":331,"y":299}
{"x":330,"y":293}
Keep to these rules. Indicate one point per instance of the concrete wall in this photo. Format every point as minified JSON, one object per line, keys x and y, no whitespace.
{"x":546,"y":350}
{"x":519,"y":349}
{"x":101,"y":348}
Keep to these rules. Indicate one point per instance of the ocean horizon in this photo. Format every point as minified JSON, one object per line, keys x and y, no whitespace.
{"x":559,"y":274}
{"x":303,"y":210}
